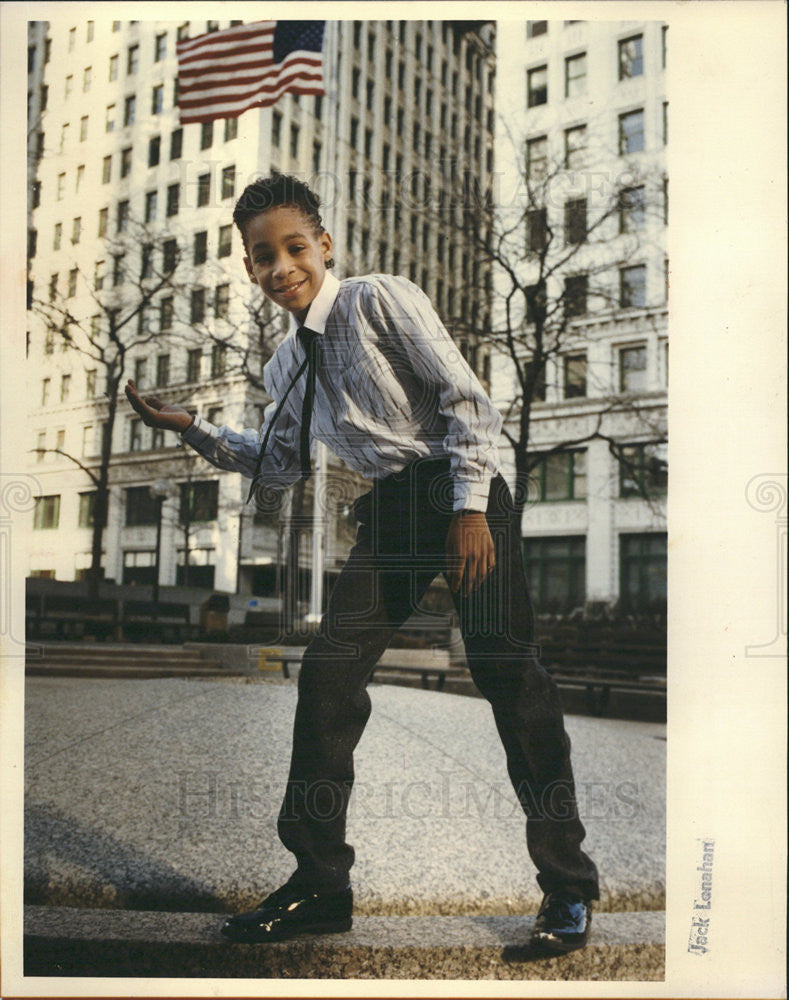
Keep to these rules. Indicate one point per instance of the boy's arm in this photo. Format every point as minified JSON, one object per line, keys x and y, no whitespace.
{"x":473,"y":423}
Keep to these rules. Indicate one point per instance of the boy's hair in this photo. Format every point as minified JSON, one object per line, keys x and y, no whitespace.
{"x":274,"y":192}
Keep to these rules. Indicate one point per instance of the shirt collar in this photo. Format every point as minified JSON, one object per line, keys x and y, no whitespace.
{"x":320,"y":307}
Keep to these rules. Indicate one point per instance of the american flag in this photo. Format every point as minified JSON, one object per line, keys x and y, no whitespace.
{"x":224,"y":73}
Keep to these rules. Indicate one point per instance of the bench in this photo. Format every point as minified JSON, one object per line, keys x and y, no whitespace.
{"x":424,"y":663}
{"x":70,"y":616}
{"x":600,"y":665}
{"x":164,"y":621}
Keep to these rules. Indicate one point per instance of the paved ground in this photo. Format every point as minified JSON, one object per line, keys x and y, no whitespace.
{"x":163,"y":794}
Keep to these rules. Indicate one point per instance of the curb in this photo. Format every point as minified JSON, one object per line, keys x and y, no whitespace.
{"x":64,"y":941}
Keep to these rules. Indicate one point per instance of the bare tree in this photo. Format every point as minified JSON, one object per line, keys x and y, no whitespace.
{"x":117,"y":323}
{"x":540,"y":260}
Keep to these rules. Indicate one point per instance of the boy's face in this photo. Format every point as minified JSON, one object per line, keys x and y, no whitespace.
{"x":286,"y":258}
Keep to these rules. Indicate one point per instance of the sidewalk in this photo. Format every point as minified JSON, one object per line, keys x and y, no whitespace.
{"x":162,"y":795}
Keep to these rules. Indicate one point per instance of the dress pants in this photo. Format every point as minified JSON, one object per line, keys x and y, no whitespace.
{"x":400,"y":548}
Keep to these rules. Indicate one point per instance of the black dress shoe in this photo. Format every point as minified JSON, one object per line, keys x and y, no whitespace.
{"x":292,"y":910}
{"x":562,"y":923}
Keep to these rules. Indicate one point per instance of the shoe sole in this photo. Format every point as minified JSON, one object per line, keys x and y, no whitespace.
{"x":335,"y":927}
{"x":555,"y":946}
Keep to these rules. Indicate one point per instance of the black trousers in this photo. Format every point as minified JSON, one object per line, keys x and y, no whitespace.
{"x":400,"y":548}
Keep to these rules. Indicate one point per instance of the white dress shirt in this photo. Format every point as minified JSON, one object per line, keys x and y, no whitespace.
{"x":392,"y":386}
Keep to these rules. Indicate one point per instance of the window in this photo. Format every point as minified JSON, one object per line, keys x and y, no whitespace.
{"x":537,"y":86}
{"x":642,"y":572}
{"x":129,"y":109}
{"x":173,"y":195}
{"x":157,"y":99}
{"x":633,"y":368}
{"x":83,"y":128}
{"x":76,"y":229}
{"x":316,"y":157}
{"x":537,"y":380}
{"x":113,"y":72}
{"x":197,"y":305}
{"x":45,"y":384}
{"x":203,"y":189}
{"x":665,"y":123}
{"x":663,"y":45}
{"x":90,"y":383}
{"x":126,"y":161}
{"x":68,"y":87}
{"x":162,"y":370}
{"x":132,"y":59}
{"x":225,"y":241}
{"x":122,"y":217}
{"x":228,"y":182}
{"x":221,"y":301}
{"x":140,"y":366}
{"x":574,"y":147}
{"x":199,"y":501}
{"x":53,"y":287}
{"x":206,"y":135}
{"x":643,"y":470}
{"x":141,"y":506}
{"x":61,"y":188}
{"x":575,"y":75}
{"x":166,"y":314}
{"x":65,"y":388}
{"x":58,"y":234}
{"x":537,"y":229}
{"x":200,"y":248}
{"x":87,"y":75}
{"x":276,"y":128}
{"x":575,"y":221}
{"x":294,"y":140}
{"x":41,"y":444}
{"x":575,"y":376}
{"x":160,"y":47}
{"x":176,"y":144}
{"x":87,"y":508}
{"x":632,"y":209}
{"x":556,"y":571}
{"x":576,"y":288}
{"x":89,"y":31}
{"x":218,"y":360}
{"x":106,"y":169}
{"x":631,"y":132}
{"x":46,"y":513}
{"x":72,"y":283}
{"x":154,"y":150}
{"x":109,"y":118}
{"x":560,"y":476}
{"x":103,"y":221}
{"x":631,"y":57}
{"x":536,"y":157}
{"x":193,"y":365}
{"x":231,"y":128}
{"x":633,"y":287}
{"x":151,"y":198}
{"x":170,"y":255}
{"x":535,"y":28}
{"x":118,"y":273}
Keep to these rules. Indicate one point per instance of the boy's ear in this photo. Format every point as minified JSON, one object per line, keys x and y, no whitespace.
{"x":327,"y":245}
{"x":248,"y":266}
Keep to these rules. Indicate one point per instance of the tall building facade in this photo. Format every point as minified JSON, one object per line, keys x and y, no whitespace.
{"x":135,"y":269}
{"x":587,"y":114}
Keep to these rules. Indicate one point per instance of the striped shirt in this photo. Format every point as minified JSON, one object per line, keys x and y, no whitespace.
{"x":391,"y":387}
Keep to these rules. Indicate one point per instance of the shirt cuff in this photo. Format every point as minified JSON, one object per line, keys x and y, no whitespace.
{"x":198,"y":432}
{"x":471,"y":496}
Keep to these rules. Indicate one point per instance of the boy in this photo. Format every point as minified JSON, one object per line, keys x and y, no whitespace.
{"x":370,"y":370}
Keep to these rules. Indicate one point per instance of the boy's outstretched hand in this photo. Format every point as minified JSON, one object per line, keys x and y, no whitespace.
{"x":470,"y":553}
{"x":155,"y":413}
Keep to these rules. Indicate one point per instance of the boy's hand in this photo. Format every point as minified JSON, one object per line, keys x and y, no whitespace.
{"x":155,"y":413}
{"x":470,"y":553}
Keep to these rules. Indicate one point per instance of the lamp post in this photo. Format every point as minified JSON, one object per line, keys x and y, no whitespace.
{"x":160,"y":491}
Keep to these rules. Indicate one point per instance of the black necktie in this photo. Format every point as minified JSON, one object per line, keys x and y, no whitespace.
{"x":308,"y":340}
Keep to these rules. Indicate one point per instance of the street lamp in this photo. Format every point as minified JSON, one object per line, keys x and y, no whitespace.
{"x":160,"y":491}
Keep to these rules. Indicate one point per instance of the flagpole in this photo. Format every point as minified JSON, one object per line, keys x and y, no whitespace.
{"x":328,"y":160}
